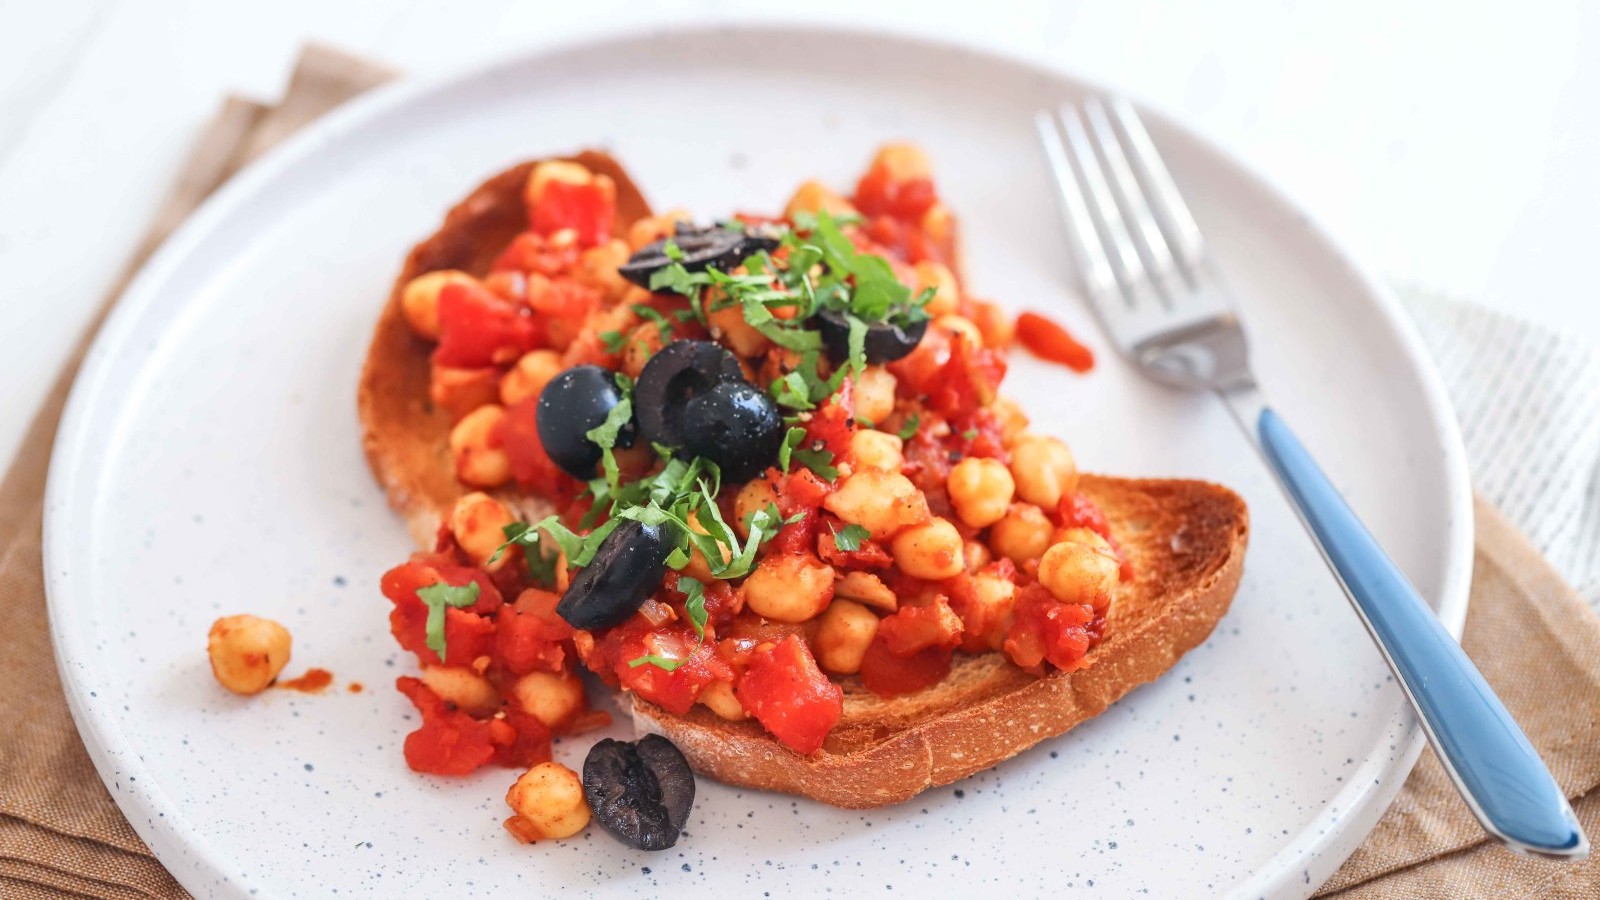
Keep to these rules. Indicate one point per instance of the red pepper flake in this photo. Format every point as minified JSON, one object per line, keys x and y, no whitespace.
{"x":1049,"y":341}
{"x":312,"y":682}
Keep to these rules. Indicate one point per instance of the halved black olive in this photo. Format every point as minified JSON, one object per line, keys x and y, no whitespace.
{"x":574,"y":402}
{"x":886,"y":341}
{"x":678,"y":373}
{"x":735,"y":425}
{"x":703,"y":247}
{"x":625,"y":571}
{"x":641,"y":792}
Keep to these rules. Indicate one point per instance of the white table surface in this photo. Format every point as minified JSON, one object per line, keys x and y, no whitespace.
{"x":1452,"y":146}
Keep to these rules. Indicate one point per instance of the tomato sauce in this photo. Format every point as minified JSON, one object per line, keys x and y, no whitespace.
{"x":314,"y":681}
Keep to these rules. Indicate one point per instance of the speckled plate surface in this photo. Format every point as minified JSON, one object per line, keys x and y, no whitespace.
{"x":210,"y":464}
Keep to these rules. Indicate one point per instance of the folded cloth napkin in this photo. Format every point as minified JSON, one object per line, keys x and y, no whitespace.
{"x":1528,"y":403}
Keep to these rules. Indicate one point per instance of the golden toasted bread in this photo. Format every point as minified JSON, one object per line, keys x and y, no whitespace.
{"x":1186,"y":541}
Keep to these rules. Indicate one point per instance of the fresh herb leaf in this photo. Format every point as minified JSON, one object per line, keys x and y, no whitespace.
{"x":792,"y":391}
{"x":436,"y":597}
{"x":908,"y":430}
{"x":672,"y":251}
{"x":792,"y":439}
{"x":857,"y":344}
{"x":654,"y":316}
{"x":850,"y":538}
{"x":613,"y":341}
{"x":605,"y":436}
{"x":969,"y":434}
{"x":818,"y":461}
{"x":695,"y":605}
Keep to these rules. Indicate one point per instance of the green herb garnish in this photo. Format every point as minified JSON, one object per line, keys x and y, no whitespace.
{"x":850,"y":538}
{"x":436,"y":597}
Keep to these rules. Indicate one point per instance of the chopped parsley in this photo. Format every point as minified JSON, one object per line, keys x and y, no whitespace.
{"x":850,"y":538}
{"x":908,"y":429}
{"x":436,"y":597}
{"x":613,"y":341}
{"x":695,"y":606}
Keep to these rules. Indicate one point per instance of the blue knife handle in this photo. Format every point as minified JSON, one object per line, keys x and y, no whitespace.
{"x":1498,"y":772}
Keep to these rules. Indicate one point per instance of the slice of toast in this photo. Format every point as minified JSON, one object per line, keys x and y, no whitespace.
{"x":1186,"y":540}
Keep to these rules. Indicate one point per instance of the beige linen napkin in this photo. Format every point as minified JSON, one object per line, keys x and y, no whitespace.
{"x":62,"y":835}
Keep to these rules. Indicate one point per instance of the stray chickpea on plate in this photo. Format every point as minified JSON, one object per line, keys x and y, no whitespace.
{"x":759,"y":476}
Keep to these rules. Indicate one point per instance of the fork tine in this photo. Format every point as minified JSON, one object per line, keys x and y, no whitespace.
{"x":1101,"y":205}
{"x":1094,"y":267}
{"x":1182,"y":232}
{"x":1157,"y":255}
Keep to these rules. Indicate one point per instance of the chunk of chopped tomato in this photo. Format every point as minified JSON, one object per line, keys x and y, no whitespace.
{"x":479,"y":328}
{"x":1044,"y":629}
{"x":675,"y":690}
{"x":531,"y":636}
{"x":468,"y":632}
{"x":869,"y":554}
{"x":533,"y":254}
{"x":888,"y":675}
{"x":791,"y":698}
{"x":531,"y":466}
{"x":587,"y":208}
{"x":913,"y":629}
{"x":449,"y":742}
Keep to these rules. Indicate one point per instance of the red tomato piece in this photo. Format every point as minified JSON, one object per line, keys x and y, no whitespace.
{"x":533,"y":468}
{"x":449,"y":742}
{"x":1049,"y":341}
{"x":878,"y":194}
{"x":587,"y":208}
{"x":791,"y":698}
{"x":1044,"y":629}
{"x":528,"y":743}
{"x":674,"y":691}
{"x":468,"y":632}
{"x":531,"y":636}
{"x":888,"y":675}
{"x":533,"y":254}
{"x":868,"y":555}
{"x":913,"y":629}
{"x":831,"y":426}
{"x":478,"y":328}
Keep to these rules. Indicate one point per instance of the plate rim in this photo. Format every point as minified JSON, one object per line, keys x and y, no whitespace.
{"x":161,"y":822}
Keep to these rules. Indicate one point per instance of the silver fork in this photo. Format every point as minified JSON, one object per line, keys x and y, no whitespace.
{"x":1154,"y":287}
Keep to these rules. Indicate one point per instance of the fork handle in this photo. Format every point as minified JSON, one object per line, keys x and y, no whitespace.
{"x":1488,"y":757}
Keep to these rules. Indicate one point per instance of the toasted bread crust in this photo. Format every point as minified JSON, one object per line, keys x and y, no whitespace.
{"x":1187,"y":543}
{"x":1186,"y":540}
{"x":405,"y":436}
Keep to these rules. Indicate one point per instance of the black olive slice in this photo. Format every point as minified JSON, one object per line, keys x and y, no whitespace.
{"x":625,"y":571}
{"x":574,"y":402}
{"x":735,"y":425}
{"x":675,"y":375}
{"x":703,"y":247}
{"x":641,"y":792}
{"x":885,"y":341}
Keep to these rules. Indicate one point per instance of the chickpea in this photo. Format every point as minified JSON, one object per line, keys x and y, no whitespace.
{"x":874,"y":394}
{"x":813,"y":196}
{"x":654,"y":228}
{"x":597,"y":267}
{"x":460,"y":391}
{"x":247,"y":652}
{"x":789,"y":588}
{"x":867,"y":589}
{"x":902,"y":162}
{"x":529,"y":376}
{"x":1022,"y":534}
{"x":931,"y":550}
{"x":549,"y":798}
{"x":719,"y":698}
{"x":876,"y":450}
{"x":548,"y":697}
{"x":847,"y":628}
{"x":997,"y":326}
{"x":947,"y":294}
{"x":752,"y":498}
{"x":641,"y":344}
{"x":1044,"y":470}
{"x":698,"y":567}
{"x":1081,"y":535}
{"x":477,"y":520}
{"x":1013,"y":421}
{"x":1078,"y":572}
{"x":475,"y":444}
{"x":469,"y":691}
{"x":728,"y":325}
{"x":419,"y":299}
{"x":977,"y":555}
{"x":881,"y":502}
{"x":961,"y":327}
{"x":987,"y":610}
{"x":981,"y":490}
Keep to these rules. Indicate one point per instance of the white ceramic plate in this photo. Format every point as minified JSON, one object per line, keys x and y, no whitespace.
{"x":210,"y":464}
